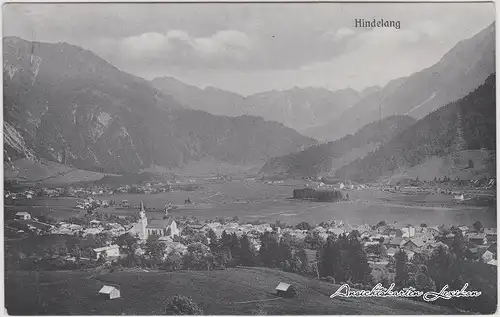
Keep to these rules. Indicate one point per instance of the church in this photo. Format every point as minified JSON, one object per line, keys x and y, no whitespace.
{"x":161,"y":227}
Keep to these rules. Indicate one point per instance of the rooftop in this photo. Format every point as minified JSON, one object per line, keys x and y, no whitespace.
{"x":106,"y":289}
{"x":282,"y":287}
{"x":159,"y":224}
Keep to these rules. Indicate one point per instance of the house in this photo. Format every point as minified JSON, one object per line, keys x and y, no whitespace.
{"x":487,"y":256}
{"x":491,"y":235}
{"x":109,"y":292}
{"x":109,"y":251}
{"x":392,"y":232}
{"x":391,"y":252}
{"x":414,"y":245}
{"x":464,"y":229}
{"x":408,"y":231}
{"x":285,"y":290}
{"x":449,"y":237}
{"x":175,"y":247}
{"x":336,"y":231}
{"x":197,"y":226}
{"x":477,"y":238}
{"x":23,"y":216}
{"x":395,"y":242}
{"x":433,"y":231}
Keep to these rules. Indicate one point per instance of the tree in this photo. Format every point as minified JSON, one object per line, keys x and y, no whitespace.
{"x":182,"y":305}
{"x":380,"y":224}
{"x":303,"y":226}
{"x":247,"y":252}
{"x":355,"y":256}
{"x":301,"y":255}
{"x":443,"y":267}
{"x":269,"y":250}
{"x":197,"y":256}
{"x":401,"y":269}
{"x":213,"y":242}
{"x":422,"y":282}
{"x":330,"y":260}
{"x":458,"y":245}
{"x":102,"y":258}
{"x":173,"y":262}
{"x":313,"y":240}
{"x":478,"y":226}
{"x":155,"y":248}
{"x":127,"y":242}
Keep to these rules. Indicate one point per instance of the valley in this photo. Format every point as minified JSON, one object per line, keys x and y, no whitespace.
{"x":254,"y":200}
{"x":139,"y":183}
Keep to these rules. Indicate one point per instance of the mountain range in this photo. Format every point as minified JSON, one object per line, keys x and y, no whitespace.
{"x":66,"y":104}
{"x":458,"y":72}
{"x":367,"y":154}
{"x":297,"y":108}
{"x":327,"y":157}
{"x":464,"y":132}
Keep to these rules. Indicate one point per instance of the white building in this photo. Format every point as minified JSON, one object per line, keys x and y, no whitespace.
{"x":109,"y":292}
{"x":408,"y":231}
{"x":23,"y":215}
{"x":110,"y":251}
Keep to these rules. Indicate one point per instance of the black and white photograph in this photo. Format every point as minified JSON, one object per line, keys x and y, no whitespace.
{"x":239,"y":158}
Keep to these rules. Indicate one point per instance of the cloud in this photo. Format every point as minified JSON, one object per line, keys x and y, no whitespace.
{"x":257,"y":46}
{"x":179,"y":46}
{"x":342,"y":34}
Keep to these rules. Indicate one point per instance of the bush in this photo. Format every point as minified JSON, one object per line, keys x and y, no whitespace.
{"x":182,"y":305}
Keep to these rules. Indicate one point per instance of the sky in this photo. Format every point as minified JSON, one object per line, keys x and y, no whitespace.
{"x":249,"y":48}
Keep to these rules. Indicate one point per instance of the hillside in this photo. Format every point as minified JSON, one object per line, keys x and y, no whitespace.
{"x":297,"y":108}
{"x":46,"y":172}
{"x":458,"y":72}
{"x":65,"y":104}
{"x":328,"y":157}
{"x":450,"y":132}
{"x":239,"y":291}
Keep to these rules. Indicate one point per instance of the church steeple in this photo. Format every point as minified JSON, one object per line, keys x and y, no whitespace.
{"x":143,"y":222}
{"x":142,"y":213}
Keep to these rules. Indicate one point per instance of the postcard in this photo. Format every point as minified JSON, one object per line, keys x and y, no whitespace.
{"x":239,"y":158}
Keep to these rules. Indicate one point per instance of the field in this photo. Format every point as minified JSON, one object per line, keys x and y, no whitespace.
{"x":47,"y":172}
{"x":252,"y":200}
{"x":242,"y":291}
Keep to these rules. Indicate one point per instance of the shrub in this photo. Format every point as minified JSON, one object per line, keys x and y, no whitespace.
{"x":182,"y":305}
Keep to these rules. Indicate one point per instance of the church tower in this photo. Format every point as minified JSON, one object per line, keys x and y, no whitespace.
{"x":143,"y":223}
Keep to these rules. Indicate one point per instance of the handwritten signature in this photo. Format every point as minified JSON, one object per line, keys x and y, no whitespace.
{"x":408,"y":292}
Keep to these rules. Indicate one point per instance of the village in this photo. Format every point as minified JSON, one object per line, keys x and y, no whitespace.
{"x":380,"y":241}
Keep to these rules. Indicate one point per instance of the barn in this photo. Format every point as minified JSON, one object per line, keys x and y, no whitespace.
{"x":285,"y":290}
{"x":109,"y":292}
